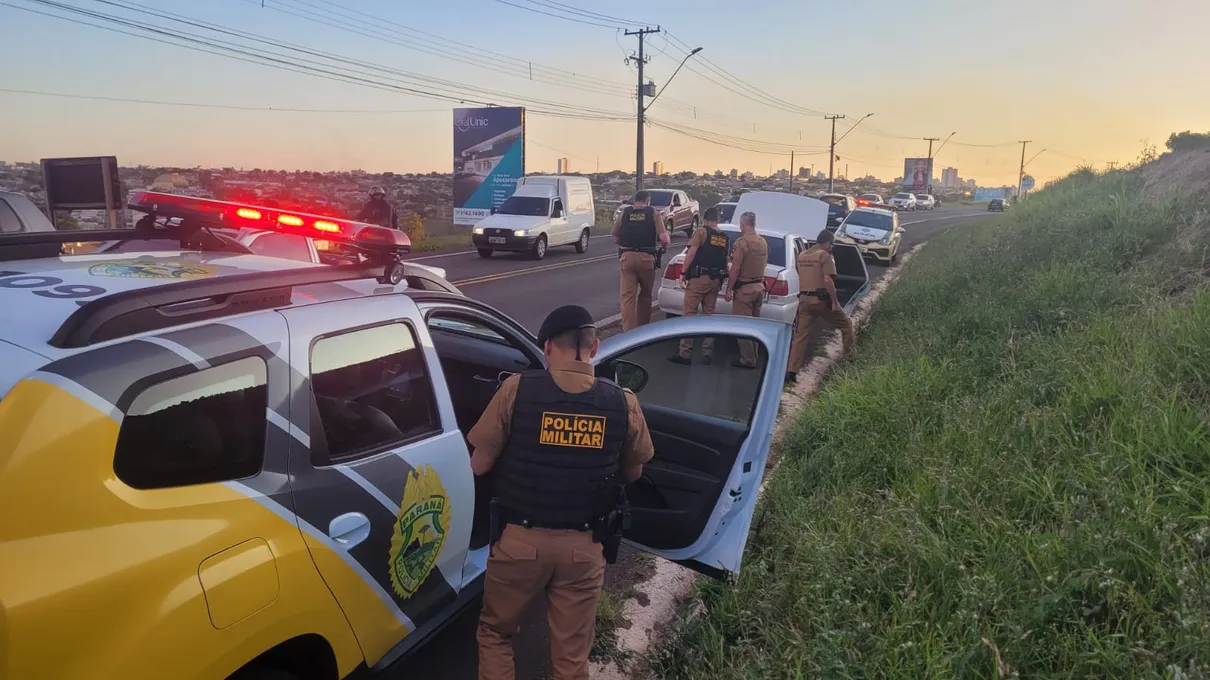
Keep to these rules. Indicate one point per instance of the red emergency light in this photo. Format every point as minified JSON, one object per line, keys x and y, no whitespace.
{"x":238,"y":215}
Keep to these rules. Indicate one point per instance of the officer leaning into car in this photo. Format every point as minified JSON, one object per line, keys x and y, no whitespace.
{"x":705,"y":270}
{"x":746,"y":281}
{"x":561,"y":444}
{"x":817,"y":300}
{"x":640,"y":236}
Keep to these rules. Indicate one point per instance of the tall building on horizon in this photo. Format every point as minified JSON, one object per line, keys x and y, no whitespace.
{"x":564,"y":166}
{"x":949,"y":178}
{"x":734,"y":173}
{"x":657,"y":168}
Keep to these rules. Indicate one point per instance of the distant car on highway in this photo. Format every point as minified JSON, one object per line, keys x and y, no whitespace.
{"x":925,"y":202}
{"x":545,"y":211}
{"x":875,"y":232}
{"x":870,"y":199}
{"x":903,"y":201}
{"x":678,"y":211}
{"x":787,"y":232}
{"x":726,"y":211}
{"x":997,"y":205}
{"x":839,"y":207}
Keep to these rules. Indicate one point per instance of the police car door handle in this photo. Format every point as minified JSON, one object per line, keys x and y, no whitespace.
{"x":349,"y":529}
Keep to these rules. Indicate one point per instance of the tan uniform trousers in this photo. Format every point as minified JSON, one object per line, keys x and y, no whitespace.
{"x":699,"y":292}
{"x":638,"y":280}
{"x":570,"y":569}
{"x":804,"y":321}
{"x":747,"y":301}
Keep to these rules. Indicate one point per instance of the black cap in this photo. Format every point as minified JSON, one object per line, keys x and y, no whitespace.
{"x":563,"y":319}
{"x":824,"y":237}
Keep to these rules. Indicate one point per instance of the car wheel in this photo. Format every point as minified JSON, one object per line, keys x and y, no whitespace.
{"x":670,"y":227}
{"x":485,"y":252}
{"x":539,"y":251}
{"x":582,"y":244}
{"x":692,"y":226}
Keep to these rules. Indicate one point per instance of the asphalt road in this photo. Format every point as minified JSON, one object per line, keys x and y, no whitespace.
{"x":526,"y":290}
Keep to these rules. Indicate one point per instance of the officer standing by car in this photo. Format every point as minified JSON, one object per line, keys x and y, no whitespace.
{"x":557,"y":442}
{"x":378,"y":211}
{"x":640,"y":234}
{"x":746,"y":281}
{"x":705,"y":269}
{"x":817,"y":300}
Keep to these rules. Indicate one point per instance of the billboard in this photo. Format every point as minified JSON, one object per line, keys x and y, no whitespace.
{"x":988,"y":194}
{"x":917,"y":175}
{"x":489,"y":158}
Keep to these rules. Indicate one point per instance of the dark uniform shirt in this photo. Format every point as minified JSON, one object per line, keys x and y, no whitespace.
{"x":490,"y":434}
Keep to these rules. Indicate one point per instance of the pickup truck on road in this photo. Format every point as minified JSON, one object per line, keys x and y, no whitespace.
{"x":678,"y":211}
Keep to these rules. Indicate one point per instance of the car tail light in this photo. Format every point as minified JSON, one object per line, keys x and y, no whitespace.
{"x":673,"y":271}
{"x":248,"y":213}
{"x":777,"y":287}
{"x":290,"y":220}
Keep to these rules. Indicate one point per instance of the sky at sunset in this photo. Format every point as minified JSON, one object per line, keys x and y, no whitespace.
{"x":1087,"y":80}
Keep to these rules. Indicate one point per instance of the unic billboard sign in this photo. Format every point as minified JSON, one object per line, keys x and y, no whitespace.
{"x":917,"y":175}
{"x":489,"y":158}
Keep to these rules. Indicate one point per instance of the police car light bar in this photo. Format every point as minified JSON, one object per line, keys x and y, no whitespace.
{"x":237,"y":215}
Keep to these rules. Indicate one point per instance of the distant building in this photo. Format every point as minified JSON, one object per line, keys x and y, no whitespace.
{"x":564,"y":166}
{"x":949,"y":178}
{"x":747,"y":175}
{"x":970,"y":184}
{"x":804,"y":172}
{"x":782,"y":174}
{"x":657,"y":168}
{"x":820,"y":176}
{"x":734,"y":173}
{"x":718,"y":173}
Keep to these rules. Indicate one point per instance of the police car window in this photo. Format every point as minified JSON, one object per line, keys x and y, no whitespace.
{"x":200,"y":428}
{"x":372,"y":391}
{"x":716,"y":390}
{"x":871,"y":220}
{"x":8,"y":219}
{"x":466,"y":327}
{"x":286,"y":246}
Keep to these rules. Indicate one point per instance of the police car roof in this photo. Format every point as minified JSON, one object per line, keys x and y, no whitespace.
{"x":37,"y":296}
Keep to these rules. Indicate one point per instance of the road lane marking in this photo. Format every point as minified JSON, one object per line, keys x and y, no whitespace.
{"x":532,"y":270}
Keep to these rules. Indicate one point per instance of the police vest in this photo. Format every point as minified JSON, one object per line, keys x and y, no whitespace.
{"x":560,"y":467}
{"x":711,"y":256}
{"x":638,"y":228}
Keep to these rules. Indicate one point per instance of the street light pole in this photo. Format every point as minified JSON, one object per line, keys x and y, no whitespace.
{"x":832,"y":152}
{"x":642,"y":107}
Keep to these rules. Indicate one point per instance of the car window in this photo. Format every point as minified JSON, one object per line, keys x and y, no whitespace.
{"x":715,"y":390}
{"x":834,"y":200}
{"x":777,"y":247}
{"x":9,"y":224}
{"x":200,"y":428}
{"x":285,"y":246}
{"x":372,"y":391}
{"x":861,"y":218}
{"x":531,"y":206}
{"x":725,"y":212}
{"x":661,"y":199}
{"x":466,"y":327}
{"x":903,"y":196}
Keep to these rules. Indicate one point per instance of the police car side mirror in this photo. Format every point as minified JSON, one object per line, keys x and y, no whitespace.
{"x":630,"y":375}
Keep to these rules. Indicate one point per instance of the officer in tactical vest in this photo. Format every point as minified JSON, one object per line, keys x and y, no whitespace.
{"x":746,"y":283}
{"x":817,"y":300}
{"x":705,"y":270}
{"x":640,"y":234}
{"x":561,"y":443}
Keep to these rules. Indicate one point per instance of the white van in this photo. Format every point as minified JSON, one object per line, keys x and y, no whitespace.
{"x":544,"y":211}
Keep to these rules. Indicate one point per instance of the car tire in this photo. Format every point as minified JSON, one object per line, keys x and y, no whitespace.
{"x":582,"y":243}
{"x":262,"y":672}
{"x":539,"y":249}
{"x":692,"y":226}
{"x":485,"y":252}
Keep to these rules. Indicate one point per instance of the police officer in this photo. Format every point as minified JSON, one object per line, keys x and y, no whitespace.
{"x":746,"y":282}
{"x":378,"y":211}
{"x":817,"y":300}
{"x":556,"y":441}
{"x":705,"y":269}
{"x":639,"y":233}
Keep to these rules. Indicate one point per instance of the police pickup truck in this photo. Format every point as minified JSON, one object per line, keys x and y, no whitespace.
{"x":218,"y":464}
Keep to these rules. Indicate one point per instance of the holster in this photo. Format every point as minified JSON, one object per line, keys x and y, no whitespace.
{"x":608,"y":528}
{"x":495,"y":523}
{"x":659,"y":258}
{"x":820,"y":293}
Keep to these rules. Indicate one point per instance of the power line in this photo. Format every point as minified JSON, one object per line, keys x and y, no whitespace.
{"x":202,"y":105}
{"x":559,"y":16}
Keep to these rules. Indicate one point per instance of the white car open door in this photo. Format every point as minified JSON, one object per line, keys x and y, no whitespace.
{"x":712,"y":426}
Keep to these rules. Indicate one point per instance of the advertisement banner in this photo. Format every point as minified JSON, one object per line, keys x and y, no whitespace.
{"x":489,"y":158}
{"x":989,"y":194}
{"x":917,"y":175}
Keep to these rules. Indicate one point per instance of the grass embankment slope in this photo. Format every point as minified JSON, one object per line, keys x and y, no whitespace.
{"x":1013,"y":478}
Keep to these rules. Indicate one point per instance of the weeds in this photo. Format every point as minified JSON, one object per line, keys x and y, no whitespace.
{"x":1012,"y":481}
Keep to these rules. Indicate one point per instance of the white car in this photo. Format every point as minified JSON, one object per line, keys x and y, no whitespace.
{"x":925,"y":202}
{"x":903,"y":201}
{"x":786,"y":238}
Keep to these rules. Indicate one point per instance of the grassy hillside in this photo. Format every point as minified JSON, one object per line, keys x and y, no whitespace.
{"x":1014,"y":479}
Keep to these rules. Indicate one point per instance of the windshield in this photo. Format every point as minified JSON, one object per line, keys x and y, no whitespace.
{"x":922,"y":197}
{"x":725,"y":212}
{"x":871,"y":197}
{"x":870,"y":220}
{"x":777,"y":247}
{"x":903,"y":196}
{"x":533,"y":206}
{"x":661,"y":199}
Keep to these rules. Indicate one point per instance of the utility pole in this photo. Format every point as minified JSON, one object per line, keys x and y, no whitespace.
{"x":832,"y":154}
{"x":791,"y":171}
{"x":1021,"y":173}
{"x":641,"y":60}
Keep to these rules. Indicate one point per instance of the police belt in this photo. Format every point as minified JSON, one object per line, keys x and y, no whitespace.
{"x":649,"y":250}
{"x":519,"y":520}
{"x":740,"y":283}
{"x":696,"y":271}
{"x":821,"y":293}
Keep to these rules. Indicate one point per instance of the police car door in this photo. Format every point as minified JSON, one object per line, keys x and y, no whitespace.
{"x":711,"y":424}
{"x":378,"y":465}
